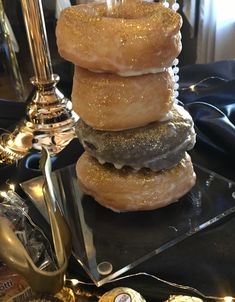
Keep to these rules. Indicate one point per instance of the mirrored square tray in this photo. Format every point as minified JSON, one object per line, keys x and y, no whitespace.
{"x":108,"y":244}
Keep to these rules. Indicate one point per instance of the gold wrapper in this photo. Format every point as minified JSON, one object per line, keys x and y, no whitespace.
{"x":122,"y":294}
{"x":43,"y":299}
{"x":182,"y":298}
{"x":65,"y":295}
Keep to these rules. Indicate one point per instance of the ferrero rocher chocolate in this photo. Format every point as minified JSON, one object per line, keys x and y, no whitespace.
{"x":182,"y":298}
{"x":122,"y":294}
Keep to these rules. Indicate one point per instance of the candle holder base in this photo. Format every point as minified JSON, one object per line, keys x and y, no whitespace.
{"x":49,"y":122}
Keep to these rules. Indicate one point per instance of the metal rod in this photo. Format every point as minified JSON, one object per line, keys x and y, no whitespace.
{"x":37,"y":37}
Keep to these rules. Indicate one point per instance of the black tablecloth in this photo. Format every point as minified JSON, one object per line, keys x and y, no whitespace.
{"x":206,"y":260}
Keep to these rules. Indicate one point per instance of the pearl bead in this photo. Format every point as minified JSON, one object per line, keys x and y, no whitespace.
{"x":176,"y":70}
{"x":175,"y":62}
{"x":175,"y":6}
{"x":176,"y":78}
{"x":176,"y":86}
{"x":176,"y":94}
{"x":166,"y":4}
{"x":176,"y":101}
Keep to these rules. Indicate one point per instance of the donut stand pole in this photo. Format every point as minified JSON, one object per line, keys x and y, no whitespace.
{"x":49,"y":118}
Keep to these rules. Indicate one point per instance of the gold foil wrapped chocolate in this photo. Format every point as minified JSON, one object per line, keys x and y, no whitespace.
{"x":122,"y":294}
{"x":65,"y":295}
{"x":182,"y":298}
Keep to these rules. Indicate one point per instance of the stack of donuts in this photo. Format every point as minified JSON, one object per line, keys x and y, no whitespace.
{"x":134,"y":135}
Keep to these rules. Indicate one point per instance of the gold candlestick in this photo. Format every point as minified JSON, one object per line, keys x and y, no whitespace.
{"x":49,"y":120}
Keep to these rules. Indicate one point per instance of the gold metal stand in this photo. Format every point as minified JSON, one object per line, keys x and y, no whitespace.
{"x":49,"y":120}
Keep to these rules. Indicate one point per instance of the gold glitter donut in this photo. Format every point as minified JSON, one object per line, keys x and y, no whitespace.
{"x":133,"y":38}
{"x":125,"y":190}
{"x":109,"y":102}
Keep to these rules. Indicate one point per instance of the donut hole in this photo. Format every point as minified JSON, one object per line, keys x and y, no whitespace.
{"x":127,"y":11}
{"x":123,"y":15}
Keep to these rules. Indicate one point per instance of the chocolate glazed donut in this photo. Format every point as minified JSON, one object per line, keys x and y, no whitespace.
{"x":159,"y":145}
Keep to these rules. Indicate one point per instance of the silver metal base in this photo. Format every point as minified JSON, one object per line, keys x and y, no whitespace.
{"x":49,"y":122}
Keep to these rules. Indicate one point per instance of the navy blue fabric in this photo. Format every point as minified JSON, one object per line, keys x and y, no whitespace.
{"x":211,"y":102}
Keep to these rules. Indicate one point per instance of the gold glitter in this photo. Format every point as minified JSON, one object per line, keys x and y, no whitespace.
{"x":125,"y":190}
{"x":66,"y":295}
{"x":158,"y":145}
{"x":110,"y":102}
{"x":91,"y":37}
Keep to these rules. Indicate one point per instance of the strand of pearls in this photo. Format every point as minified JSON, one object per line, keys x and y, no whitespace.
{"x":175,"y":69}
{"x":171,"y":3}
{"x":175,"y":6}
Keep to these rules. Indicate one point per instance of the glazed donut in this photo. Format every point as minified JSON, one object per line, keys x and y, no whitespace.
{"x":134,"y":38}
{"x":159,"y":145}
{"x":125,"y":190}
{"x":109,"y":102}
